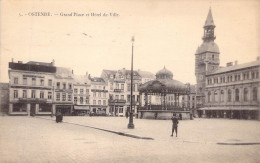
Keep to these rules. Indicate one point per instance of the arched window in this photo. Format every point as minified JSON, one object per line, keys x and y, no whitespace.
{"x":237,"y":94}
{"x":209,"y":96}
{"x":229,"y":95}
{"x":255,"y":94}
{"x":245,"y":94}
{"x":221,"y":95}
{"x":216,"y":96}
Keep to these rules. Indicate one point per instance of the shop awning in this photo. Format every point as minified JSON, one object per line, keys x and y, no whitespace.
{"x":82,"y":107}
{"x":230,"y":108}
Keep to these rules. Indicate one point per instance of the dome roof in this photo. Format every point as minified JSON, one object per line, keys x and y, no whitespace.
{"x":208,"y":47}
{"x":164,"y":85}
{"x":164,"y":74}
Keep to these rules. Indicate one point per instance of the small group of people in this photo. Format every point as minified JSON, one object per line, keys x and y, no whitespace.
{"x":59,"y":117}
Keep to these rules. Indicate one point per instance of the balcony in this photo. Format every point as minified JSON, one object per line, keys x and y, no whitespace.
{"x":32,"y":100}
{"x":116,"y":101}
{"x":118,"y":90}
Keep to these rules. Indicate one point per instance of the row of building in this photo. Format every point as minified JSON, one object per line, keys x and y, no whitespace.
{"x":39,"y":88}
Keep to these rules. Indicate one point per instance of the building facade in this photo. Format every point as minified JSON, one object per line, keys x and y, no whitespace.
{"x":119,"y":88}
{"x":4,"y":98}
{"x":31,"y":88}
{"x":224,"y":92}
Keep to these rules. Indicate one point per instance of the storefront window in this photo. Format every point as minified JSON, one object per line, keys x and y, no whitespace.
{"x":237,"y":94}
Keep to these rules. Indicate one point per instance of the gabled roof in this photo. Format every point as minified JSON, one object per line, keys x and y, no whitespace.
{"x":209,"y":21}
{"x":81,"y":79}
{"x":110,"y":72}
{"x":97,"y":79}
{"x":146,"y":74}
{"x":236,"y":67}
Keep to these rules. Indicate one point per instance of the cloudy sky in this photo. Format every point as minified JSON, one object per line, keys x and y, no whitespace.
{"x":167,"y":33}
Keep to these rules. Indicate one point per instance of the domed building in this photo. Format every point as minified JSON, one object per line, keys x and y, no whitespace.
{"x":162,"y":96}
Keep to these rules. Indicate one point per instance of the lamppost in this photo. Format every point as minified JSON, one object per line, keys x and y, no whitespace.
{"x":131,"y":124}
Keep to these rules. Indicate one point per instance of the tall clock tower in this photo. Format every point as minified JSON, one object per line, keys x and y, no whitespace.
{"x":207,"y":55}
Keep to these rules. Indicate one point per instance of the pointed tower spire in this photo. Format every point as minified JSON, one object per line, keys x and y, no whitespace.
{"x":209,"y":21}
{"x":209,"y":28}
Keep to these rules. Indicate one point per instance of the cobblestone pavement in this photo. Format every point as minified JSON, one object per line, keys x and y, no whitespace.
{"x":41,"y":139}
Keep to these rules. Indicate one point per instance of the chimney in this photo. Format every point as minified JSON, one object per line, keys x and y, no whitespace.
{"x":229,"y":64}
{"x":20,"y":61}
{"x":72,"y":71}
{"x":53,"y":62}
{"x":258,"y":58}
{"x":235,"y":63}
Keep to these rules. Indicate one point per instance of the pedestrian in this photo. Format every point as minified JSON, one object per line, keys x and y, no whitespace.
{"x":174,"y":124}
{"x":180,"y":116}
{"x":58,"y":117}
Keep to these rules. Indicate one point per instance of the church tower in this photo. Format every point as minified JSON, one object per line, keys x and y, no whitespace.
{"x":207,"y":55}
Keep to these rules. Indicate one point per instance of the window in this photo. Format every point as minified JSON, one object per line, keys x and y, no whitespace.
{"x":138,"y":98}
{"x":64,"y":85}
{"x":255,"y":94}
{"x":87,"y":100}
{"x":15,"y":80}
{"x":58,"y":85}
{"x":49,"y":82}
{"x":257,"y":75}
{"x":128,"y":87}
{"x":87,"y":91}
{"x":41,"y":94}
{"x":70,"y":86}
{"x":42,"y":82}
{"x":111,"y":86}
{"x":94,"y":94}
{"x":49,"y":95}
{"x":122,"y":97}
{"x":120,"y":110}
{"x":81,"y":91}
{"x":117,"y":86}
{"x":69,"y":97}
{"x":117,"y":97}
{"x":81,"y":100}
{"x":104,"y":95}
{"x":133,"y":87}
{"x":245,"y":94}
{"x":99,"y":102}
{"x":25,"y":81}
{"x":75,"y":100}
{"x":75,"y":90}
{"x":221,"y":95}
{"x":237,"y":94}
{"x":209,"y":96}
{"x":33,"y":81}
{"x":33,"y":94}
{"x":63,"y":96}
{"x":122,"y":86}
{"x":99,"y":94}
{"x":24,"y":93}
{"x":212,"y":57}
{"x":229,"y":95}
{"x":57,"y":96}
{"x":216,"y":96}
{"x":94,"y":102}
{"x":15,"y":93}
{"x":104,"y":102}
{"x":128,"y":98}
{"x":238,"y":77}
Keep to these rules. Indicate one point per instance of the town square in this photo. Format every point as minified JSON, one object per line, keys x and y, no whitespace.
{"x":153,"y":82}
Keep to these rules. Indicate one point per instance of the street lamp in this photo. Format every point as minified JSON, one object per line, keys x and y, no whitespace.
{"x":131,"y":124}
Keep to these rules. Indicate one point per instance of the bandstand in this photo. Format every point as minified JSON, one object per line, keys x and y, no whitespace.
{"x":163,"y":97}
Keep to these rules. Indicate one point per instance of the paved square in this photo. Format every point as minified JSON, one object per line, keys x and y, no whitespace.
{"x":41,"y":139}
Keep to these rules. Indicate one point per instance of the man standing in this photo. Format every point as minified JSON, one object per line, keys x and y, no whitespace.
{"x":174,"y":124}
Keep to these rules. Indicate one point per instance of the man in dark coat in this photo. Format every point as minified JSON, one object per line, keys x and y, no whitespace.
{"x":174,"y":124}
{"x":58,"y":116}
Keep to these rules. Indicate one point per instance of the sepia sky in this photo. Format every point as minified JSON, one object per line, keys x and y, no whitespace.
{"x":167,"y":33}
